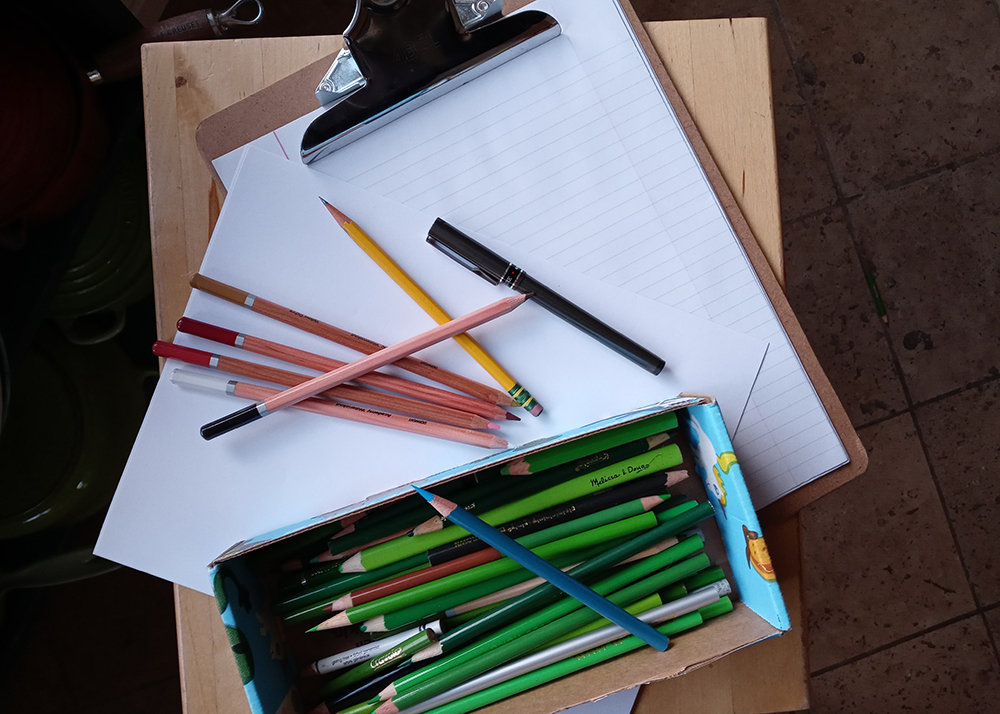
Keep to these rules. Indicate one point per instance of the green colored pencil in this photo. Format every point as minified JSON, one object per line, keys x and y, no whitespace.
{"x":572,"y":664}
{"x":383,"y":661}
{"x":426,"y":609}
{"x":659,"y":570}
{"x":705,"y":577}
{"x":478,"y":557}
{"x":515,"y":488}
{"x":678,"y":520}
{"x":483,"y":573}
{"x":521,"y":638}
{"x":583,"y":447}
{"x":399,"y":548}
{"x":302,"y":607}
{"x":409,"y":513}
{"x":640,"y":606}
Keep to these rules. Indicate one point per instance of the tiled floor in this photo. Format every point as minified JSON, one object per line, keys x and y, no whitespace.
{"x":890,"y":165}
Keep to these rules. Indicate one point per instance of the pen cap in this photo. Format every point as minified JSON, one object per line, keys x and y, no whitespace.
{"x":462,"y":249}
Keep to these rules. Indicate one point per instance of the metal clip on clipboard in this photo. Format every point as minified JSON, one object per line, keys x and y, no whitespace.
{"x":401,"y":54}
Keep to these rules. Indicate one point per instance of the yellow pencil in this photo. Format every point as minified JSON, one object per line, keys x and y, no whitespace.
{"x":425,"y":301}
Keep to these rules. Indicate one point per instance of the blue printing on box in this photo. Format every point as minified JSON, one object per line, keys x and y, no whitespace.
{"x":268,"y":672}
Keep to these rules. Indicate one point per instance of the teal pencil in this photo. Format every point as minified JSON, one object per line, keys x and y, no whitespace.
{"x":481,"y":574}
{"x":675,"y":520}
{"x":522,"y":638}
{"x":637,"y":581}
{"x":576,"y":643}
{"x":537,"y":565}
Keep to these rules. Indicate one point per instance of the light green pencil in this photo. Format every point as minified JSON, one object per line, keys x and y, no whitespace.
{"x":573,"y":664}
{"x":587,"y":445}
{"x":522,"y":638}
{"x":394,"y":550}
{"x":649,"y":571}
{"x":483,"y":573}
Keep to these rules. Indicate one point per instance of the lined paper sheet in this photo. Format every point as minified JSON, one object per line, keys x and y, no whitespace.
{"x":573,"y":153}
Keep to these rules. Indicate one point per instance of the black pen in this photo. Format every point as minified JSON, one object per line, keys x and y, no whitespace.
{"x":494,"y":269}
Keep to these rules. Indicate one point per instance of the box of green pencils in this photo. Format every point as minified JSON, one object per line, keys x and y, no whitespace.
{"x":312,"y":630}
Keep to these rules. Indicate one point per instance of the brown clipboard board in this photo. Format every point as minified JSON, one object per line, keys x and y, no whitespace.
{"x":292,"y":97}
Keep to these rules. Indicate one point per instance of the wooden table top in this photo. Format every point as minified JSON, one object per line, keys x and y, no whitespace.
{"x":722,"y":71}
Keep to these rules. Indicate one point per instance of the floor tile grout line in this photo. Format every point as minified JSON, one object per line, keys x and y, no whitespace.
{"x":992,"y":638}
{"x":958,"y":390}
{"x":844,"y":201}
{"x":843,"y":204}
{"x":927,"y":402}
{"x":950,"y":522}
{"x":952,"y":165}
{"x":786,"y":40}
{"x":977,"y":612}
{"x":930,"y":464}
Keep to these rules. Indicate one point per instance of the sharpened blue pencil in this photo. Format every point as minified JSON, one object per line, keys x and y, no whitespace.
{"x":538,"y":566}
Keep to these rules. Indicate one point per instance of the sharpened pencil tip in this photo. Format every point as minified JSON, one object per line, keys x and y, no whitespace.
{"x":492,"y":425}
{"x":337,"y":215}
{"x":512,"y":417}
{"x":428,"y":496}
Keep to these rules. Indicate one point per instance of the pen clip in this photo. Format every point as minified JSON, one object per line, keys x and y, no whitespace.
{"x":463,"y":261}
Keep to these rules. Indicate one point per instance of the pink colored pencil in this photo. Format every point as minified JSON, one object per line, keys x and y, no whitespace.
{"x":246,"y":390}
{"x":342,"y":337}
{"x":415,"y":390}
{"x":343,"y":392}
{"x":362,"y":366}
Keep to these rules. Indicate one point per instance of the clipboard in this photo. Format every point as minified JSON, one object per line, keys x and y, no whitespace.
{"x":293,"y":97}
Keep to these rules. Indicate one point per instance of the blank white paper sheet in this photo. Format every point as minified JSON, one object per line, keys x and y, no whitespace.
{"x":182,"y":500}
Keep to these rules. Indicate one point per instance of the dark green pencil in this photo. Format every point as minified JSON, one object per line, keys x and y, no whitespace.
{"x":386,"y":660}
{"x":521,"y":637}
{"x":578,"y":487}
{"x":592,"y":444}
{"x":646,"y":486}
{"x":576,"y":663}
{"x":675,"y":520}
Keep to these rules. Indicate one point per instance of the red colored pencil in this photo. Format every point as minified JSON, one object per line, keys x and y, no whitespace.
{"x":254,"y":392}
{"x":348,"y":339}
{"x":344,"y":392}
{"x":415,"y":390}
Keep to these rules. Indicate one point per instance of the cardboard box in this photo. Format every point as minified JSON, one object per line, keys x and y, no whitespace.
{"x":734,"y":541}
